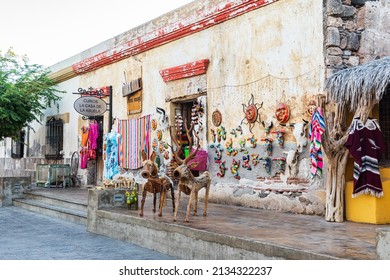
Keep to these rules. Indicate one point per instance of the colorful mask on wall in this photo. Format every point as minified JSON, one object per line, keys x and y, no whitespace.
{"x":282,"y":113}
{"x":311,"y":107}
{"x":251,"y":113}
{"x":216,"y":118}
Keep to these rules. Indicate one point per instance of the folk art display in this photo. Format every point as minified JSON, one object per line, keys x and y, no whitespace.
{"x":155,"y":184}
{"x":188,"y":183}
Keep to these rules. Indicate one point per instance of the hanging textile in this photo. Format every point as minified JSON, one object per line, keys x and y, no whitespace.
{"x":84,"y":136}
{"x":111,"y":154}
{"x":317,"y":128}
{"x":83,"y":158}
{"x":135,"y":138}
{"x":93,"y":134}
{"x":366,"y":145}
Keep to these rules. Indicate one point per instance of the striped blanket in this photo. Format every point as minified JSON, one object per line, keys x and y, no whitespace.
{"x":135,"y":138}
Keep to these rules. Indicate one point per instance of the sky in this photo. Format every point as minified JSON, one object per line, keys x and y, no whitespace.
{"x":49,"y":31}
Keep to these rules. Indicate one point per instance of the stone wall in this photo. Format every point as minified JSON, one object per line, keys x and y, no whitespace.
{"x":12,"y":187}
{"x":356,"y":31}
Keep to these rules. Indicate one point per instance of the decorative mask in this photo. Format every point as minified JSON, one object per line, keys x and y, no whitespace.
{"x":282,"y":113}
{"x":251,"y":113}
{"x":311,"y":107}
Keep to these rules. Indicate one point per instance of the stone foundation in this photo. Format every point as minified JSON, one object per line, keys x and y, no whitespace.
{"x":12,"y":187}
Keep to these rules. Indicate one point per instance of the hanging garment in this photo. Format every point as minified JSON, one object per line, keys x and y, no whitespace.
{"x":366,"y":145}
{"x":135,"y":138}
{"x":83,"y":158}
{"x":317,"y":128}
{"x":93,"y":134}
{"x":84,"y":136}
{"x":111,"y":159}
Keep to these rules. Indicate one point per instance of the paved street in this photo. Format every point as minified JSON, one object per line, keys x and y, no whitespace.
{"x":26,"y":235}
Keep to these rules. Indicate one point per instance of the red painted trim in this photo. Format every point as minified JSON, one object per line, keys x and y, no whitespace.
{"x":184,"y":71}
{"x":203,"y":19}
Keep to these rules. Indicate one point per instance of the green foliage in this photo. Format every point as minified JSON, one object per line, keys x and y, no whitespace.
{"x":25,"y":92}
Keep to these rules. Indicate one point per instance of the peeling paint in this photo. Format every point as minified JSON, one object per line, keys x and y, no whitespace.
{"x":201,"y":20}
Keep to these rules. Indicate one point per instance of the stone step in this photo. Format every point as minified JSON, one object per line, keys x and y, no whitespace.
{"x":42,"y":207}
{"x":53,"y":200}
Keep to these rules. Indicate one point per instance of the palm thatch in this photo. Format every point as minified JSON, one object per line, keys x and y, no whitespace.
{"x":350,"y":87}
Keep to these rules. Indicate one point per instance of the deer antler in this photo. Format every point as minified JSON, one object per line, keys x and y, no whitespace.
{"x":174,"y":139}
{"x":192,"y":153}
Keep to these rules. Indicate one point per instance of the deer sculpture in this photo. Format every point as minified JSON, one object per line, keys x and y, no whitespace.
{"x":188,"y":183}
{"x":155,"y":184}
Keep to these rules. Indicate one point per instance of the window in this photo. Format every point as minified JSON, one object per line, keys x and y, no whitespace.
{"x":17,"y":150}
{"x":54,"y":138}
{"x":384,"y":122}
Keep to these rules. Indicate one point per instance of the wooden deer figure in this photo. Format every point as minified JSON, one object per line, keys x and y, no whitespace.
{"x":188,"y":183}
{"x":155,"y":184}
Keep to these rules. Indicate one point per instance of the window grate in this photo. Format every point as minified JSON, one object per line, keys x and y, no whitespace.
{"x":54,"y":138}
{"x":17,"y":150}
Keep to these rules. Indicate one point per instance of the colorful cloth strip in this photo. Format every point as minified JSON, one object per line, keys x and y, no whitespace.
{"x":135,"y":138}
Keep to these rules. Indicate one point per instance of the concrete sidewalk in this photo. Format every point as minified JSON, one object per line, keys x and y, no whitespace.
{"x":26,"y":235}
{"x":301,"y":236}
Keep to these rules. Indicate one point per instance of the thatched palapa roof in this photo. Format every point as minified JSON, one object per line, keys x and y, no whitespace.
{"x":361,"y":83}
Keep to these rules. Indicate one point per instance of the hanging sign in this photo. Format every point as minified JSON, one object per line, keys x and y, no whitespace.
{"x":90,"y":106}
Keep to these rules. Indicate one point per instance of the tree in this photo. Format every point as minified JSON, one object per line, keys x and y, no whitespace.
{"x":25,"y":91}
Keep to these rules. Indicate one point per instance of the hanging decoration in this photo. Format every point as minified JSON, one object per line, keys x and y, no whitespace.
{"x":197,"y":112}
{"x":239,"y":129}
{"x":268,"y":145}
{"x":281,"y":163}
{"x":216,"y":118}
{"x":159,"y":135}
{"x":178,"y":122}
{"x":251,"y":113}
{"x":221,"y":133}
{"x":311,"y":107}
{"x":154,"y":124}
{"x":280,"y":137}
{"x":218,"y":152}
{"x":282,"y":113}
{"x":229,"y":148}
{"x":253,"y":141}
{"x":154,"y":144}
{"x":245,"y":162}
{"x":255,"y":159}
{"x":222,"y":169}
{"x":316,"y":129}
{"x":242,"y":146}
{"x":214,"y":135}
{"x":234,"y":133}
{"x":268,"y":124}
{"x":234,"y":168}
{"x":266,"y":164}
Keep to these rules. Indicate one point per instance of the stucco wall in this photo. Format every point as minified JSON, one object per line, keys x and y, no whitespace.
{"x":263,"y":53}
{"x":273,"y":53}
